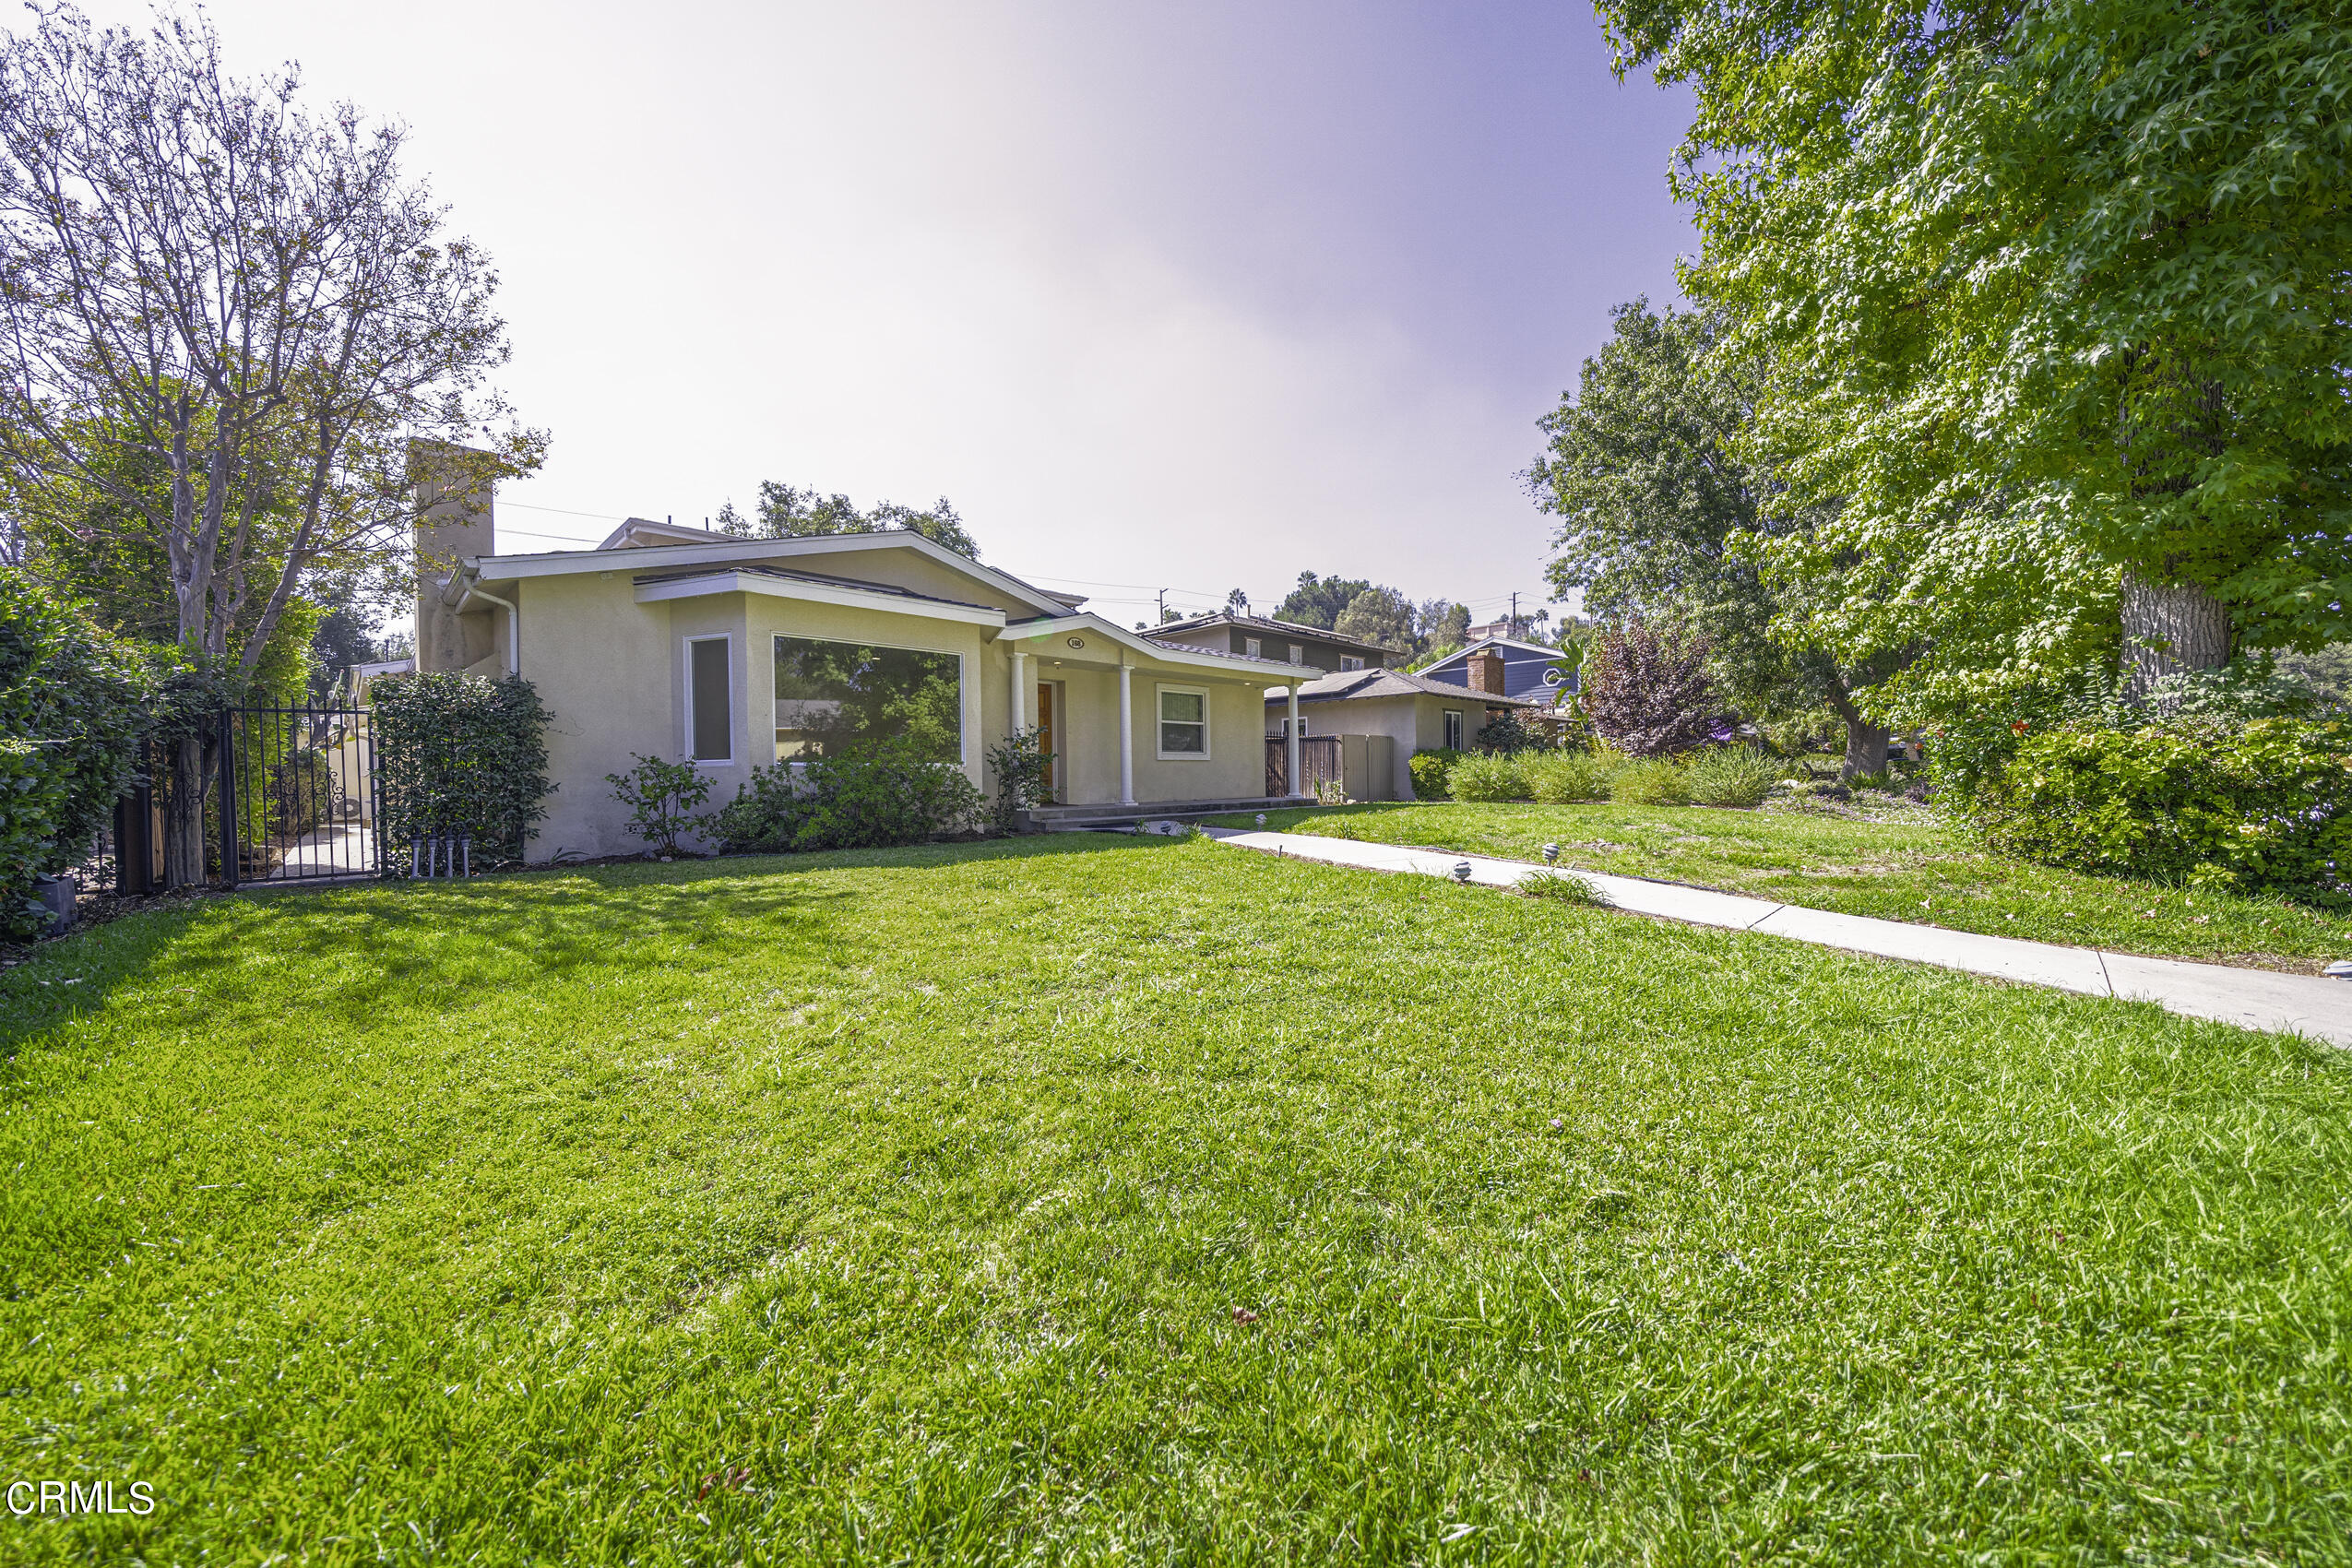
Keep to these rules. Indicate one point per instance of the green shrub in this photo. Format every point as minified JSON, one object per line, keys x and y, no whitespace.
{"x":1430,"y":769}
{"x":1649,"y":782}
{"x":661,"y":798}
{"x":1558,"y":778}
{"x":1512,"y":730}
{"x":74,"y":708}
{"x":459,"y":755}
{"x":1730,"y":775}
{"x":1488,"y":776}
{"x":873,"y":794}
{"x":1024,"y":771}
{"x":2265,"y":804}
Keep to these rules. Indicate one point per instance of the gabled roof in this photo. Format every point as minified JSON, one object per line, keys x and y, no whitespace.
{"x":1349,"y":684}
{"x":1296,"y":629}
{"x":666,"y":544}
{"x":1544,"y":648}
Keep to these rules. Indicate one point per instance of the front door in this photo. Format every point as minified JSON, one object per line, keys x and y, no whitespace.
{"x":1048,"y":731}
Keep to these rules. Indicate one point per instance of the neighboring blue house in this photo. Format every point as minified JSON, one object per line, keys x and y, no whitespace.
{"x":1527,"y":669}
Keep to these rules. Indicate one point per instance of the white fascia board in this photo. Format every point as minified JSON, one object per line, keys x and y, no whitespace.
{"x":816,"y":593}
{"x":653,"y":557}
{"x":1253,"y":670}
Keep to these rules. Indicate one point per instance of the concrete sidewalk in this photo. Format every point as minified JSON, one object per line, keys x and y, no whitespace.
{"x":2253,"y":999}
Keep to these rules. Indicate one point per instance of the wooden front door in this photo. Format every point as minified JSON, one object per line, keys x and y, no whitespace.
{"x":1048,"y":731}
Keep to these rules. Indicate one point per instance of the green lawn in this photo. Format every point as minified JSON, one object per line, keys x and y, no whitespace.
{"x":1116,"y":1198}
{"x":1908,"y":866}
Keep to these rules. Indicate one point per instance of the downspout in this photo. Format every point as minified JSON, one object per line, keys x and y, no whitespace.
{"x":513,"y":626}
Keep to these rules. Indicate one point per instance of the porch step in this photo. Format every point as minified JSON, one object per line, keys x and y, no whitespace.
{"x":1099,"y":818}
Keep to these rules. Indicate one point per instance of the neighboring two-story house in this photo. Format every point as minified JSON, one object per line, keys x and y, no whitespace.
{"x":1528,"y":668}
{"x":1284,"y":642}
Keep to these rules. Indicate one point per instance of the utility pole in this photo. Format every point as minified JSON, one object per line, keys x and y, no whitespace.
{"x":1514,"y":614}
{"x":1163,"y":606}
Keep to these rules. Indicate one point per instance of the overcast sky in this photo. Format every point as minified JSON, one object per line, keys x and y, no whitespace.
{"x":1171,"y":294}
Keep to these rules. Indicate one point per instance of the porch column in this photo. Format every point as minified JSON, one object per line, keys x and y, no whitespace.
{"x":1127,"y":734}
{"x":1291,"y":778}
{"x":1020,"y":690}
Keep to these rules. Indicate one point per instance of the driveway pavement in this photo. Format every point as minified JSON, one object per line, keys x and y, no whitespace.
{"x":2254,"y":998}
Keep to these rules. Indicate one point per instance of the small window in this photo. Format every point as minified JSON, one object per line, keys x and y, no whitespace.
{"x":1453,"y":729}
{"x":1298,"y":654}
{"x":1350,"y":661}
{"x":1306,"y":727}
{"x":1183,"y":722}
{"x":1253,"y":646}
{"x":710,"y":708}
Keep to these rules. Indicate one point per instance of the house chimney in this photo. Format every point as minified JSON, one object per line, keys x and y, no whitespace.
{"x":1485,"y":672}
{"x":454,"y":520}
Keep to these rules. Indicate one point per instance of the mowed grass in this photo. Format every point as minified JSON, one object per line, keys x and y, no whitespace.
{"x":1912,"y":866}
{"x":1148,"y":1201}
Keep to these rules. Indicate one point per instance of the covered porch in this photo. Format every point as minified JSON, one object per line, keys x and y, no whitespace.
{"x":1138,"y":728}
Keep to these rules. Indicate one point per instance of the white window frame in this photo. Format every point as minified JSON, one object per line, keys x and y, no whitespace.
{"x":1450,"y":729}
{"x":1254,"y":647}
{"x":1306,"y":727}
{"x":729,"y":638}
{"x":1159,"y":718}
{"x":1350,"y":661}
{"x":1298,"y":654}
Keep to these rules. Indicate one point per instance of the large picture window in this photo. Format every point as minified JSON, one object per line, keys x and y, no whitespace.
{"x":1183,"y":722}
{"x":830,"y":695}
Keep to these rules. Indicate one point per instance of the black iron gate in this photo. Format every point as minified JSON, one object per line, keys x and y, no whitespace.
{"x":285,"y":794}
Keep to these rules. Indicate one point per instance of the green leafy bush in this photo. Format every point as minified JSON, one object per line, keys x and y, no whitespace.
{"x":1730,"y":775}
{"x":2265,"y":804}
{"x":871,"y":795}
{"x":1430,"y":769}
{"x":1649,"y":782}
{"x":1488,"y":776}
{"x":459,"y":755}
{"x":1024,"y":771}
{"x":73,"y":708}
{"x":1559,"y":778}
{"x":1512,"y":732}
{"x":661,"y":798}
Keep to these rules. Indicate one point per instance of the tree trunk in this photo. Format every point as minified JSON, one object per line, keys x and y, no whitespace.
{"x":1865,"y":742}
{"x":2169,"y":629}
{"x":183,"y":858}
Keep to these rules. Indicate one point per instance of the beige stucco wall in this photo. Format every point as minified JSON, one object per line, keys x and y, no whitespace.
{"x":612,"y":672}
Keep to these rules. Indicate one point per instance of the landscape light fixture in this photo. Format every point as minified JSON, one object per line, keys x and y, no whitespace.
{"x":1550,"y":853}
{"x":1261,"y":819}
{"x":1461,"y":871}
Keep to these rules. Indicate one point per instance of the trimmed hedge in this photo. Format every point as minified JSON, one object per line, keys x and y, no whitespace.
{"x":74,"y":708}
{"x":2265,"y":804}
{"x":459,"y":755}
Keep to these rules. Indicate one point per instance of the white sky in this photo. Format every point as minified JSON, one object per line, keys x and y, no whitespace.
{"x":1193,"y":296}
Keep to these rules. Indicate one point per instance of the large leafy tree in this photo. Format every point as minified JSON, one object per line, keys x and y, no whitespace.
{"x":1320,"y":601}
{"x":787,"y":511}
{"x":224,"y":321}
{"x":1662,"y":519}
{"x":2056,"y":307}
{"x":1379,"y":616}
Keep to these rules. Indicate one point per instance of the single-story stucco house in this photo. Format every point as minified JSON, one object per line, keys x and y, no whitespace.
{"x":1383,"y":717}
{"x":733,"y":653}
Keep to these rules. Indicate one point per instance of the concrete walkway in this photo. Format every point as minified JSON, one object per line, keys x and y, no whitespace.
{"x":2254,"y":998}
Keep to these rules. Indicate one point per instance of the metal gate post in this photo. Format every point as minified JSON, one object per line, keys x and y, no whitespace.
{"x":227,"y":797}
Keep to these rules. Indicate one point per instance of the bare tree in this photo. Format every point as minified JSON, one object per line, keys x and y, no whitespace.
{"x":229,"y":321}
